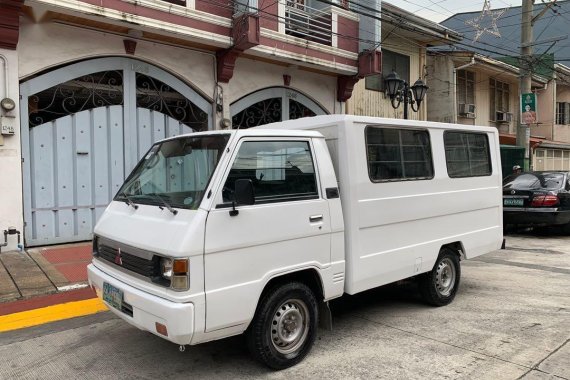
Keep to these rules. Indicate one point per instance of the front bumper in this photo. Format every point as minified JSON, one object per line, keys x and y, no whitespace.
{"x":535,"y":216}
{"x":148,"y":309}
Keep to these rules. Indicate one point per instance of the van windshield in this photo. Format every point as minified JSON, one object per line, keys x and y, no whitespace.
{"x":175,"y":172}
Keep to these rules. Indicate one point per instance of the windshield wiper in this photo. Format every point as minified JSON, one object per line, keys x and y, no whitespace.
{"x":165,"y":203}
{"x":129,"y":201}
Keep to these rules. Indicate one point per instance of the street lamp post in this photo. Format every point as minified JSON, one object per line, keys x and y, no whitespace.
{"x":400,"y":91}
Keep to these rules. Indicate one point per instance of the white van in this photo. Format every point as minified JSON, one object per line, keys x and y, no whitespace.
{"x":218,"y":233}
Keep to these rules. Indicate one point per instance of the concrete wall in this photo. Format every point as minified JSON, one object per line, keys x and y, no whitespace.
{"x":561,"y":132}
{"x":251,"y":75}
{"x":546,"y":109}
{"x":11,"y":208}
{"x":440,"y":104}
{"x":375,"y":103}
{"x":48,"y":45}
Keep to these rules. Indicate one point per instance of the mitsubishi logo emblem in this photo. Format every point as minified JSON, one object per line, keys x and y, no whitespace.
{"x":118,"y":259}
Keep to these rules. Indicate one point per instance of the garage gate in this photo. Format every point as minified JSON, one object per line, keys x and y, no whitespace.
{"x":88,"y":124}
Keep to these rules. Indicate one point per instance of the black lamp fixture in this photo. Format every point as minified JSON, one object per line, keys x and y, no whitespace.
{"x":400,"y":91}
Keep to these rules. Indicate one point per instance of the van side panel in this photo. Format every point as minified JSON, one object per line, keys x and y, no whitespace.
{"x":395,"y":230}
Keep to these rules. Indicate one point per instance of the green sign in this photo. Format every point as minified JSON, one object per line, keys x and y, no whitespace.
{"x":528,"y":109}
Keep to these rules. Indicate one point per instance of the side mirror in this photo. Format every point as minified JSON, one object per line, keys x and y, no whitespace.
{"x":244,"y":192}
{"x":243,"y":195}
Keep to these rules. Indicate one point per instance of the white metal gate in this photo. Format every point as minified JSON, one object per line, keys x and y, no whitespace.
{"x":84,"y":127}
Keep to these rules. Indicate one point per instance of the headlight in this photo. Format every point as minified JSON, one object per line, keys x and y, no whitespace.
{"x":177,"y":271}
{"x":166,"y":267}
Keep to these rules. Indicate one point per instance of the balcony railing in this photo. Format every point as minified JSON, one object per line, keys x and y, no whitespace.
{"x":309,"y":23}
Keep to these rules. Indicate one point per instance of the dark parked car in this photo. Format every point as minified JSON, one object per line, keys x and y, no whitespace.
{"x":537,"y":199}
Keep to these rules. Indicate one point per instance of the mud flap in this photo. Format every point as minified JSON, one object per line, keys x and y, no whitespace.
{"x":325,"y":316}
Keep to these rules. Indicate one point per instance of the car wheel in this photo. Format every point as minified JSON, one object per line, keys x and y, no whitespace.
{"x":439,"y":286}
{"x":284,"y":327}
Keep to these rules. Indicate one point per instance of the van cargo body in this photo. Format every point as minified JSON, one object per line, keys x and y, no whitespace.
{"x":219,"y":233}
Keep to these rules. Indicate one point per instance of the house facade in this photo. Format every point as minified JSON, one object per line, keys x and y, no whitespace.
{"x":94,"y":84}
{"x":405,"y":39}
{"x":554,"y":152}
{"x":477,"y":90}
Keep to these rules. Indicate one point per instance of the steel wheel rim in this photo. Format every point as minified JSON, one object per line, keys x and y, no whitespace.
{"x":290,"y":326}
{"x":445,"y":276}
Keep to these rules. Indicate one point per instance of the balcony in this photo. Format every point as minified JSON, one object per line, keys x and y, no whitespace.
{"x":308,"y":23}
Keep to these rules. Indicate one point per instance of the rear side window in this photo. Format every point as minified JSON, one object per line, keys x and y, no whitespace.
{"x":398,"y":154}
{"x":280,"y":171}
{"x":534,"y":181}
{"x":467,"y":154}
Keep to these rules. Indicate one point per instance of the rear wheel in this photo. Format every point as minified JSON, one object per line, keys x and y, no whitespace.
{"x":439,"y":286}
{"x":284,"y":327}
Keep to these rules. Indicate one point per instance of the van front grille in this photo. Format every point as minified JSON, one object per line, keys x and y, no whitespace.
{"x":139,"y":265}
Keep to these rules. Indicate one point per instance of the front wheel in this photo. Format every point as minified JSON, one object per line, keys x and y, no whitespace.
{"x":284,"y":327}
{"x":439,"y":286}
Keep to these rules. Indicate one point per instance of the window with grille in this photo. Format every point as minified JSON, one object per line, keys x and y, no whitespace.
{"x":562,"y":113}
{"x":499,"y":98}
{"x":465,"y":90}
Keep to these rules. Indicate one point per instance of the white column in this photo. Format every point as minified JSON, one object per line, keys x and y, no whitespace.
{"x":11,"y":209}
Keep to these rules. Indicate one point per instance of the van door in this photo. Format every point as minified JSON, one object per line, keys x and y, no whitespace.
{"x":287,"y":228}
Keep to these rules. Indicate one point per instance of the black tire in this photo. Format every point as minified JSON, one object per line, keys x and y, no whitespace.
{"x":439,"y":286}
{"x":284,"y":306}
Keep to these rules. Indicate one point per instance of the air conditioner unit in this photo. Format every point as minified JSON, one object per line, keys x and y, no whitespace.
{"x":467,"y":110}
{"x":504,"y":117}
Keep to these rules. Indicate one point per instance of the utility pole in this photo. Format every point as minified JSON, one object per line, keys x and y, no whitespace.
{"x":523,"y":130}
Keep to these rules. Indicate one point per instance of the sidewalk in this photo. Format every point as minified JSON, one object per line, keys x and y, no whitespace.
{"x":42,"y":285}
{"x":40,"y":271}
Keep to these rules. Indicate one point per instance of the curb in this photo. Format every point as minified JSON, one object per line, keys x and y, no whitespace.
{"x":44,"y":309}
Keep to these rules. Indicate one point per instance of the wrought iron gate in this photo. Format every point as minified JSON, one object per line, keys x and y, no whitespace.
{"x":84,"y":127}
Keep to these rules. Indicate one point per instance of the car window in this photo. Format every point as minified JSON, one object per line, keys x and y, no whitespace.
{"x":279,"y":170}
{"x":532,"y":181}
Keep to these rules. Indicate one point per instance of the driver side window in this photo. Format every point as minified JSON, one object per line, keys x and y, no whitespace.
{"x":279,"y":170}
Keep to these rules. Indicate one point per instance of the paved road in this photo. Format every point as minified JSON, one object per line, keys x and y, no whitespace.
{"x":510,"y":320}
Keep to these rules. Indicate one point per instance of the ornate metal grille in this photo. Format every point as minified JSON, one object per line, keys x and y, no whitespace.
{"x":298,"y":110}
{"x":99,"y":89}
{"x":158,"y":96}
{"x":263,"y":112}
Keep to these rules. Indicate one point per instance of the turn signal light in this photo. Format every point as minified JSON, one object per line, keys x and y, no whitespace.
{"x":545,"y":201}
{"x":180,"y":266}
{"x":180,"y":273}
{"x":161,"y":329}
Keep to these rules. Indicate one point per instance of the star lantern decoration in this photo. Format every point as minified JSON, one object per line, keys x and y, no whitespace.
{"x":487,"y":17}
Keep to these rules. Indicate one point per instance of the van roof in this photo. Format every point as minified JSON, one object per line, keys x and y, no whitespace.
{"x":325,"y":120}
{"x":301,"y":127}
{"x":254,"y":132}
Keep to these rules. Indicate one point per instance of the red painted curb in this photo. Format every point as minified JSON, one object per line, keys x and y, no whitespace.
{"x":49,"y":300}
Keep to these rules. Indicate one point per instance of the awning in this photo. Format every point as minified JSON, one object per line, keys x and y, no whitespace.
{"x":507,"y":139}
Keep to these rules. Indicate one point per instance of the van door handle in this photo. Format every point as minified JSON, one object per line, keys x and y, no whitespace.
{"x":316,"y":218}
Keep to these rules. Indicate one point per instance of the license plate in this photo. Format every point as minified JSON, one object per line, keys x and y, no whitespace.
{"x":513,"y":202}
{"x":113,"y":296}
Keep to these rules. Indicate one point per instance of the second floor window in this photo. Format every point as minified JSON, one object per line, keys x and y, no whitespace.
{"x":499,"y":99}
{"x":562,"y":113}
{"x":390,"y":62}
{"x":465,"y":90}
